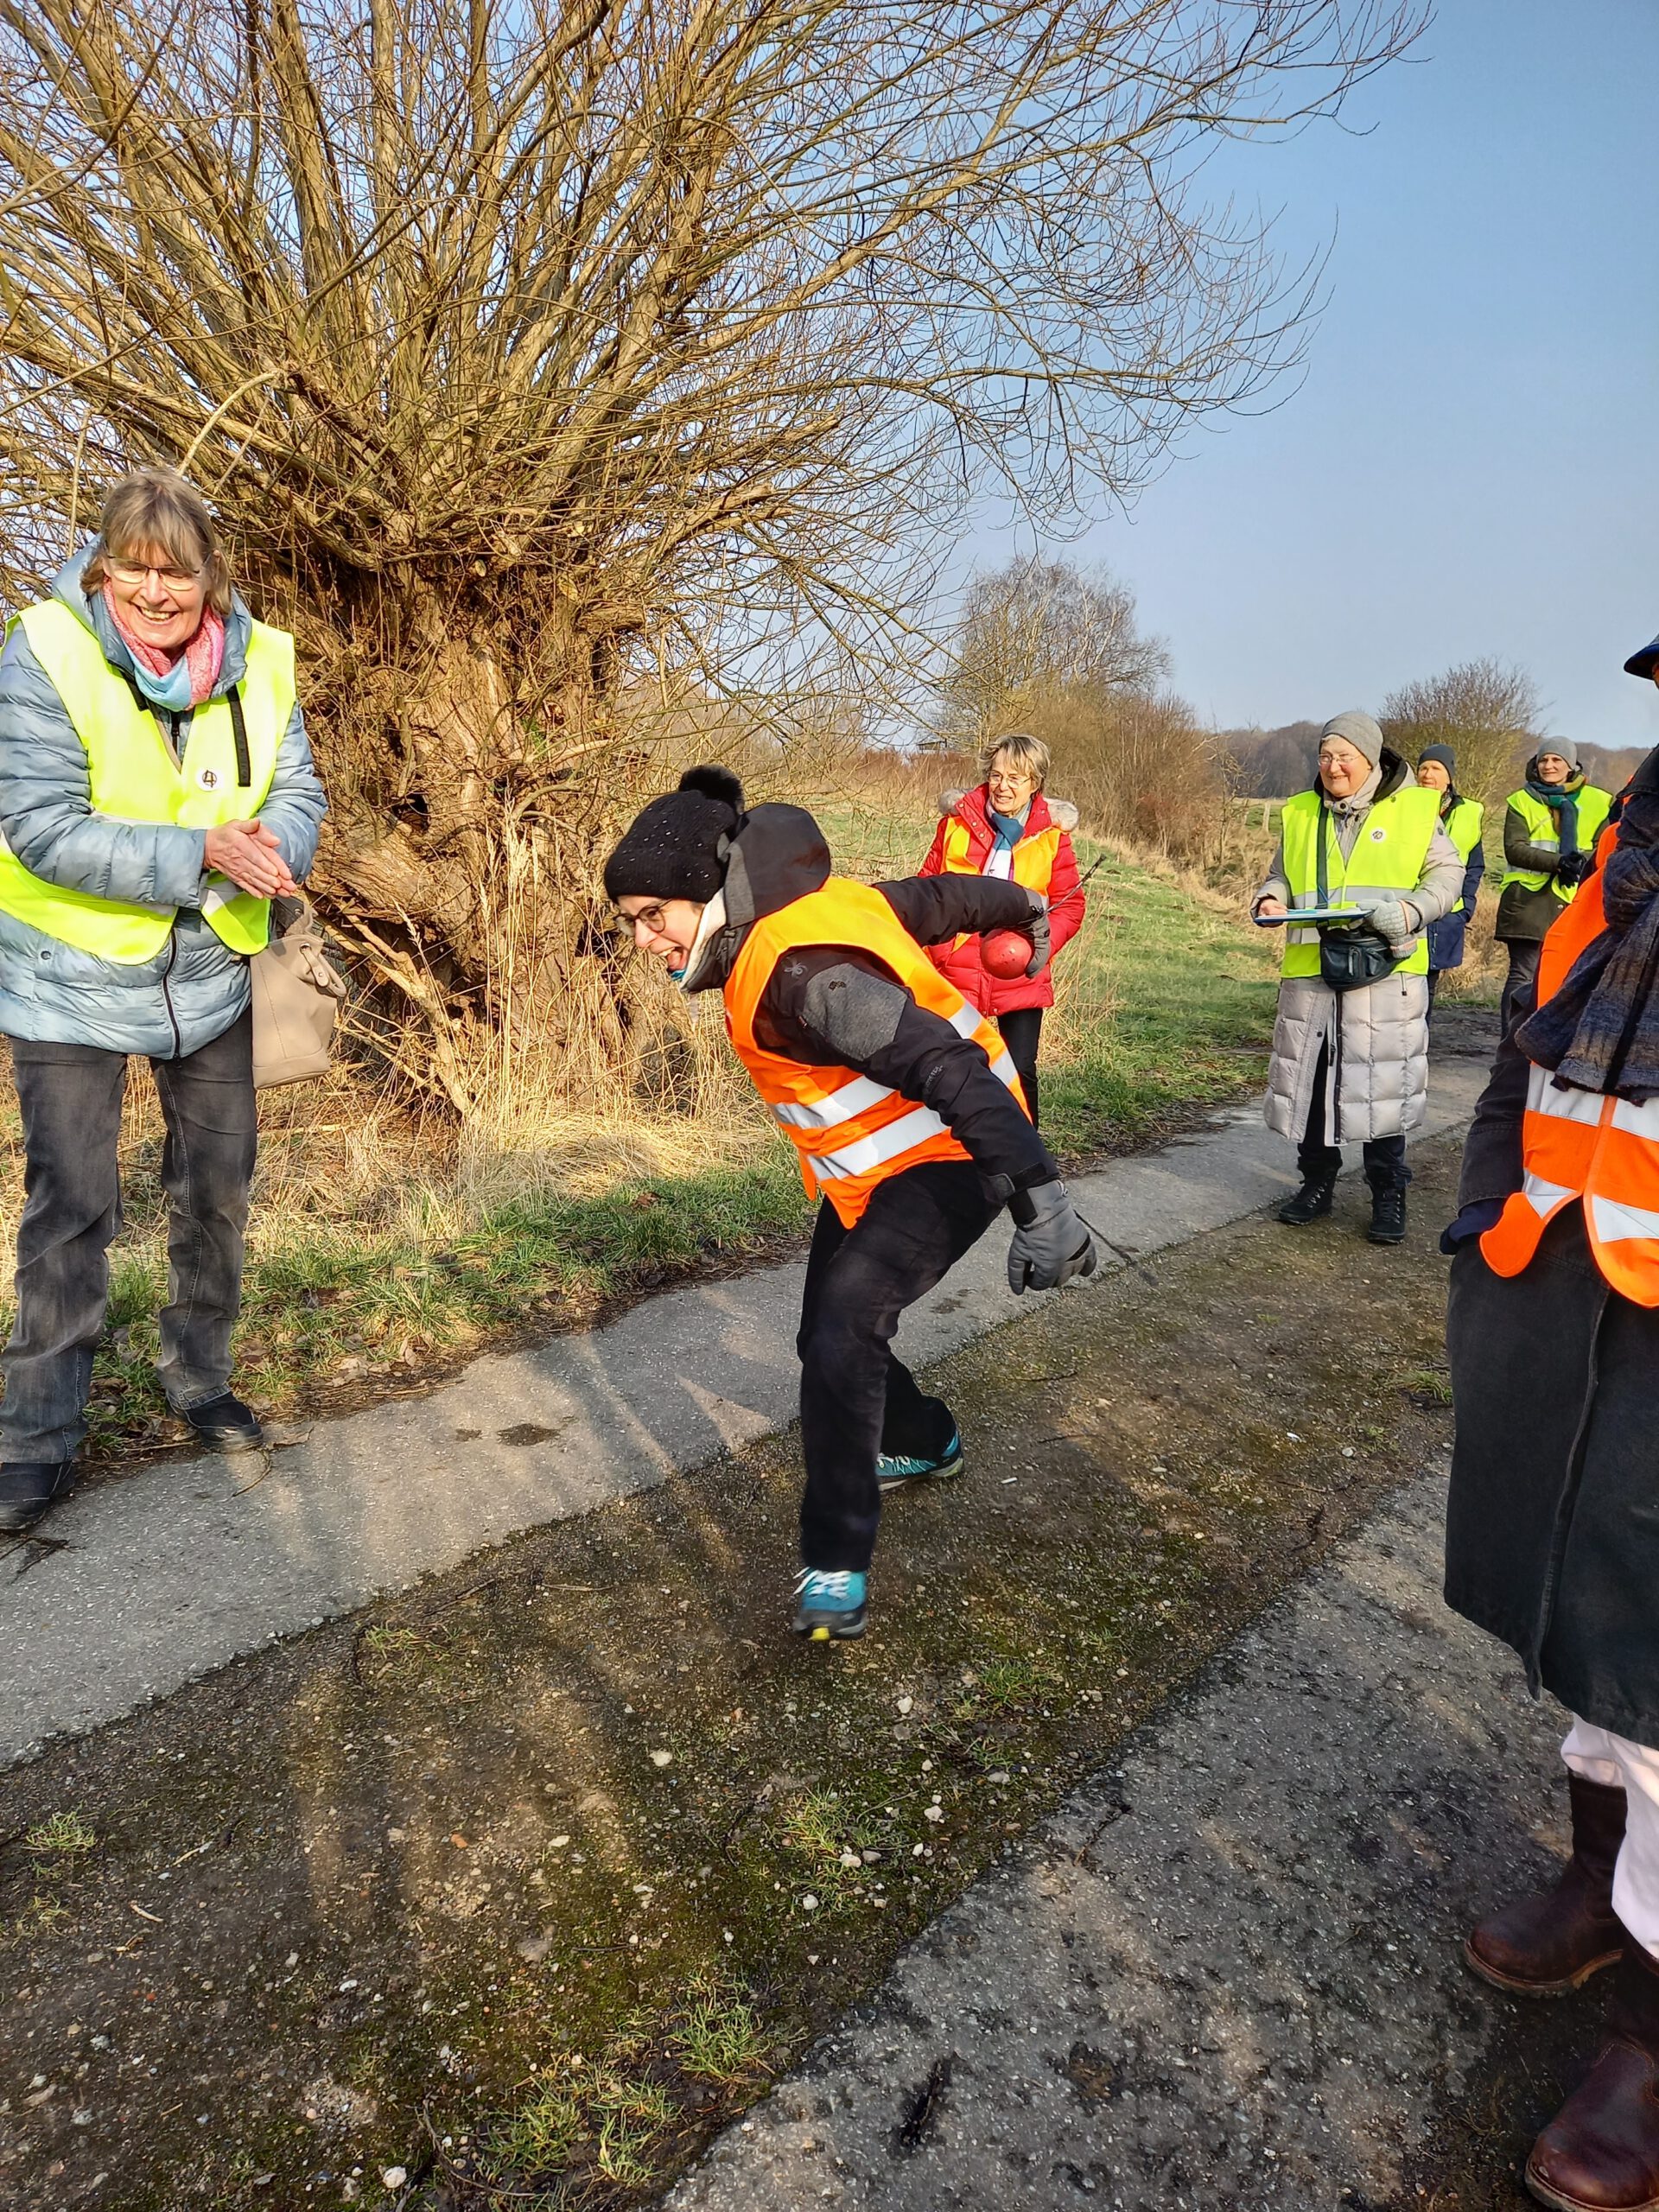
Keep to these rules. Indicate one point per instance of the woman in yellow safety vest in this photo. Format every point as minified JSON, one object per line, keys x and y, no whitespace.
{"x":156,"y":792}
{"x":1550,"y":827}
{"x":1351,"y":1049}
{"x":1552,"y":1538}
{"x":902,"y":1103}
{"x":1463,"y":820}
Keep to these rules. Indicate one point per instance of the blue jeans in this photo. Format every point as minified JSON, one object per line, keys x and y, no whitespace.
{"x":70,"y":1097}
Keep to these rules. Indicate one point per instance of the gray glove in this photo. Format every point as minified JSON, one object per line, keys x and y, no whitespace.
{"x":1393,"y":921}
{"x":1036,"y":928}
{"x":1052,"y":1242}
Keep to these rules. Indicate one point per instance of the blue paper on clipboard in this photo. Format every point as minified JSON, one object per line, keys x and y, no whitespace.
{"x":1303,"y":917}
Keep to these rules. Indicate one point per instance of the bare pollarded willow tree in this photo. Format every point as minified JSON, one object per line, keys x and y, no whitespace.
{"x":1486,"y":710}
{"x":528,"y":347}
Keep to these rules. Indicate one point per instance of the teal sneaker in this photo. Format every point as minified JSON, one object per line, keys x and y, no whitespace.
{"x":829,"y":1605}
{"x":893,"y":1469}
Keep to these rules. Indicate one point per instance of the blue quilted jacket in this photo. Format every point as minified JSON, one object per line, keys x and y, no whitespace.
{"x":195,"y":987}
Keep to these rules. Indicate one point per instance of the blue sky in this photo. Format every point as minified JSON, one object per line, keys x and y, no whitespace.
{"x":1469,"y":465}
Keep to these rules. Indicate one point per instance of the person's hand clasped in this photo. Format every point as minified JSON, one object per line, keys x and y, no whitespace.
{"x":1052,"y":1243}
{"x":249,"y":854}
{"x":1036,"y":927}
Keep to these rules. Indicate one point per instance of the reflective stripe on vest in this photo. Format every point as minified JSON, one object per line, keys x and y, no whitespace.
{"x":1578,"y":1144}
{"x":1542,"y":829}
{"x":1386,"y":862}
{"x":874,"y":1130}
{"x":132,"y":777}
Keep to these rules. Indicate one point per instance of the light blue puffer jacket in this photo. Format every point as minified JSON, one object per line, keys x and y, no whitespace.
{"x":195,"y":987}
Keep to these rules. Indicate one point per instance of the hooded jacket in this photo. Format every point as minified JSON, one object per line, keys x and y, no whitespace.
{"x":195,"y":987}
{"x":960,"y":962}
{"x":832,"y":1007}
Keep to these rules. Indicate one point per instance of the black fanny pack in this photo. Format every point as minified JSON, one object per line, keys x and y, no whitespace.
{"x":1351,"y":954}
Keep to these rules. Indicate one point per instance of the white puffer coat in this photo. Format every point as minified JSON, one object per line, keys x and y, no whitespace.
{"x":1377,"y":1038}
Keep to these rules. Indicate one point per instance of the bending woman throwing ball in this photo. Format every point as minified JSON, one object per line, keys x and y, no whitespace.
{"x":900,"y":1099}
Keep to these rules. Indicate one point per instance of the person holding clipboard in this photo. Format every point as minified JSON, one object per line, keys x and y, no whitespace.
{"x":1363,"y":866}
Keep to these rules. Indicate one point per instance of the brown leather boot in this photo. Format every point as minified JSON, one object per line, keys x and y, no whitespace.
{"x":1545,"y":1945}
{"x":1600,"y":2153}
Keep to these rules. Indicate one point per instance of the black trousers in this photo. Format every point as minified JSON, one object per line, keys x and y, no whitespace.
{"x":70,"y":1097}
{"x":1520,"y":985}
{"x":858,"y":1400}
{"x":1385,"y":1157}
{"x":1022,"y":1031}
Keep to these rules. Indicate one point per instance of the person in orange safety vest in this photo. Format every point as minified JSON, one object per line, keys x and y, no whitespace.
{"x":1552,"y":1530}
{"x":900,"y":1100}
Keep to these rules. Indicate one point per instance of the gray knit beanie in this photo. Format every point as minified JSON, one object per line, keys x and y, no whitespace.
{"x":1360,"y":730}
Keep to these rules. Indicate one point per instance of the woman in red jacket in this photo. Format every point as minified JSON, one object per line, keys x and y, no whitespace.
{"x":1005,"y":827}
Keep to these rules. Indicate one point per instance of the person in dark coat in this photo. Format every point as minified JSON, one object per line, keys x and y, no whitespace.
{"x":1550,"y":827}
{"x":1552,"y":1532}
{"x":1463,"y":821}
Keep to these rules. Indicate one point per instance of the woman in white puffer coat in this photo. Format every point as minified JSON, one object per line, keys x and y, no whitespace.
{"x":1353,"y":1064}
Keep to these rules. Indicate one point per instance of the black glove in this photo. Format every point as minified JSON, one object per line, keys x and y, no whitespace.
{"x":1573,"y":867}
{"x":1036,"y":928}
{"x":1052,"y":1242}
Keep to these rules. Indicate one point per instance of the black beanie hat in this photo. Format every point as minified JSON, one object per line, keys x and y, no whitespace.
{"x":672,"y":848}
{"x":1444,"y":754}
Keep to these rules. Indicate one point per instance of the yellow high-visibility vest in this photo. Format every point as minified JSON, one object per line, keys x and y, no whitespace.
{"x":1387,"y":861}
{"x":1543,"y":827}
{"x":134,"y":777}
{"x":1464,"y":826}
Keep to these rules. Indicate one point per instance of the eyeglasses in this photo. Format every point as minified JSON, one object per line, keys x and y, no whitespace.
{"x":653,"y":917}
{"x":136,"y":572}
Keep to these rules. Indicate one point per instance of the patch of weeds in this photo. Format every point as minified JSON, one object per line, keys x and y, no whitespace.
{"x":581,"y":2112}
{"x":389,"y":1651}
{"x":41,"y":1915}
{"x":832,"y":1836}
{"x":1008,"y":1685}
{"x":68,"y":1832}
{"x":717,"y":2037}
{"x":1432,"y":1382}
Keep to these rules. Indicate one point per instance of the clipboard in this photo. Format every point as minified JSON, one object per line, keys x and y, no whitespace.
{"x":1306,"y":917}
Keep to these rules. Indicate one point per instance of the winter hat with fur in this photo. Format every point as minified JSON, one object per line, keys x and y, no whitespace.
{"x":674,"y":847}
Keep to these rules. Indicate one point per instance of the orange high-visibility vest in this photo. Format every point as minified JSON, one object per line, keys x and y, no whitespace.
{"x":850,"y":1131}
{"x":1579,"y":1145}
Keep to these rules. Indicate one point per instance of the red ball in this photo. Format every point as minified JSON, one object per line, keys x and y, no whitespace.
{"x":1004,"y":953}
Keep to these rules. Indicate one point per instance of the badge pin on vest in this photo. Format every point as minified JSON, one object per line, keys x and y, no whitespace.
{"x":208,"y":778}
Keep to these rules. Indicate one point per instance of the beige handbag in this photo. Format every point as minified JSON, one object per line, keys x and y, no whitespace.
{"x":296,"y":994}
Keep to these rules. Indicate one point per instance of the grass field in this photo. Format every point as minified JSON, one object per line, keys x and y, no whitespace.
{"x":383,"y":1249}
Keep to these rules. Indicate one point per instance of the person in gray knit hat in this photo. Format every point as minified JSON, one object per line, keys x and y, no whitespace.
{"x":1350,"y":1042}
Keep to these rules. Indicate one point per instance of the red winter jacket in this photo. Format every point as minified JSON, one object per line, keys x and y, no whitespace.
{"x":1043,"y":861}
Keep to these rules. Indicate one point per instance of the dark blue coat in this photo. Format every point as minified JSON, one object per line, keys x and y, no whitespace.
{"x":1446,"y":935}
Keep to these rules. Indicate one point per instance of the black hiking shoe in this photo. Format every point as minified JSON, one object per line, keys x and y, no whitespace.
{"x":29,"y":1488}
{"x":1310,"y":1202}
{"x":1387,"y":1217}
{"x":226,"y":1424}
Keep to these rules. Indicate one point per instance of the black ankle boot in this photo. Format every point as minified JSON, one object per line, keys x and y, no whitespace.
{"x":1311,"y":1201}
{"x":1388,"y":1215}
